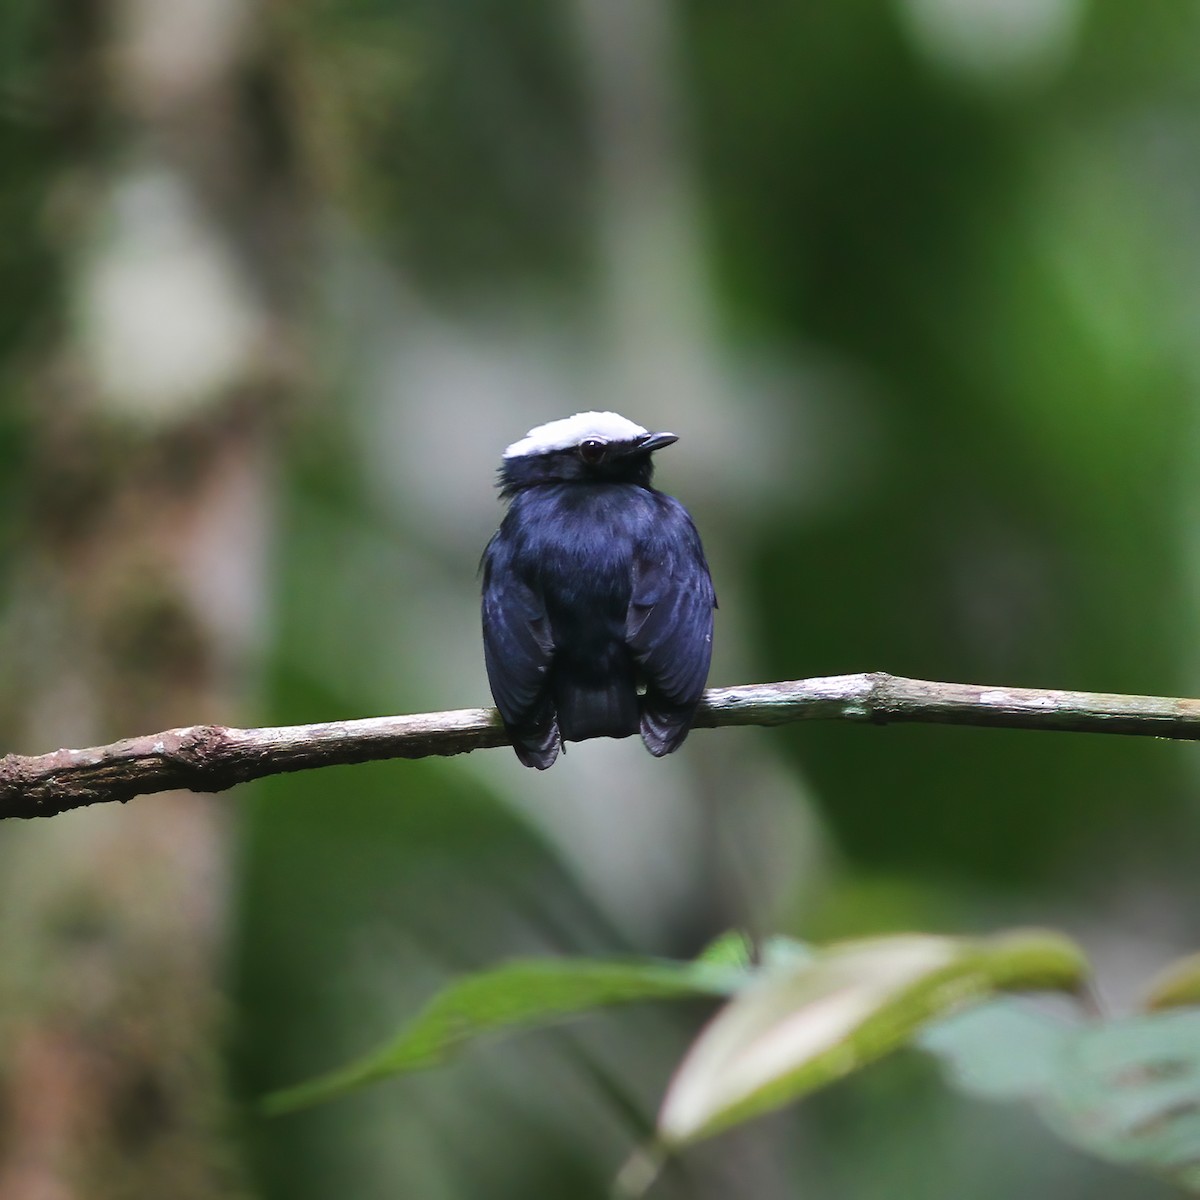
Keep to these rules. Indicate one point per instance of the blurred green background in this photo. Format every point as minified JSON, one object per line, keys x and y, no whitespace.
{"x":916,"y":282}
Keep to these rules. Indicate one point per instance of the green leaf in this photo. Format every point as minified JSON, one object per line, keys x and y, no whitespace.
{"x":1004,"y":1050}
{"x":738,"y":949}
{"x":1176,"y":986}
{"x":796,"y":1030}
{"x":1129,"y":1091}
{"x":732,"y":949}
{"x":519,"y":994}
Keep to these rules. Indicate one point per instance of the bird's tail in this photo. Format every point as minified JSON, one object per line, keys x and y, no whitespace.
{"x":605,"y":709}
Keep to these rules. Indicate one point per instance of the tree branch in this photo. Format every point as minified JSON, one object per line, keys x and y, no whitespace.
{"x":210,"y":758}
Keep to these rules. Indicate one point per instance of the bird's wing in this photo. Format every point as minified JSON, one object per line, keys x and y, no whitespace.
{"x":670,"y":620}
{"x":517,"y":642}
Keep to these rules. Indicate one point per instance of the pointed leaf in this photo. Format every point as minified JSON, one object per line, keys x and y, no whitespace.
{"x":733,"y":948}
{"x":1177,"y":986}
{"x":796,"y":1030}
{"x":519,"y":994}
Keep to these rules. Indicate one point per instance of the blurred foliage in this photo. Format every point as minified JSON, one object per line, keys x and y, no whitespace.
{"x":453,"y":131}
{"x":799,"y":1018}
{"x":989,"y":267}
{"x":31,"y":150}
{"x":512,"y":996}
{"x":1126,"y":1090}
{"x":982,"y":283}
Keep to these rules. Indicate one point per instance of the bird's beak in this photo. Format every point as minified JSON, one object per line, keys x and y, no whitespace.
{"x":655,"y":441}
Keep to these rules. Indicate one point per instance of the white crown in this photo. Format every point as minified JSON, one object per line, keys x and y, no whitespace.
{"x":570,"y":431}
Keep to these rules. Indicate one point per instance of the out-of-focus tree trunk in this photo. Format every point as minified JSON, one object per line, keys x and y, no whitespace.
{"x":138,"y":594}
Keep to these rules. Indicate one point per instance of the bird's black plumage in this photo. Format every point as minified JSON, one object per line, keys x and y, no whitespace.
{"x":597,"y":599}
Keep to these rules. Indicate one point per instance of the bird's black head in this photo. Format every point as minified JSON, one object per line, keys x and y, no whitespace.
{"x":591,"y":447}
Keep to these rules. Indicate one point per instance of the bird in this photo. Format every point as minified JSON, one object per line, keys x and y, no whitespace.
{"x":597,"y":598}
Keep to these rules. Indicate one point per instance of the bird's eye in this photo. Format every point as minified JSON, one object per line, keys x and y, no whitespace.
{"x":592,"y":451}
